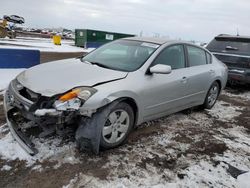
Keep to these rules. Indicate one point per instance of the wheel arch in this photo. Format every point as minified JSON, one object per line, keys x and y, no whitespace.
{"x":220,"y":83}
{"x":131,"y":102}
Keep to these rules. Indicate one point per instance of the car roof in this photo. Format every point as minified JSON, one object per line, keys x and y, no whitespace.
{"x":150,"y":39}
{"x":226,"y":36}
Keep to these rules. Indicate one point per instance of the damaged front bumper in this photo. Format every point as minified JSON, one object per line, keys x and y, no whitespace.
{"x":18,"y":135}
{"x":15,"y":103}
{"x":21,"y":138}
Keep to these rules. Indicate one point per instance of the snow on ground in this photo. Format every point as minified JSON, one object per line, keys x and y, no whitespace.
{"x":48,"y":149}
{"x":43,"y":45}
{"x":243,"y":180}
{"x":204,"y":172}
{"x":244,"y":95}
{"x":6,"y":168}
{"x":6,"y":75}
{"x":224,"y":111}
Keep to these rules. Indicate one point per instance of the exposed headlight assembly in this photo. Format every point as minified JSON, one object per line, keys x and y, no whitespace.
{"x":73,"y":99}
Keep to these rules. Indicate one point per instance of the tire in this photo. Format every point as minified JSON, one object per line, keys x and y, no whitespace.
{"x":212,"y":96}
{"x":118,"y":123}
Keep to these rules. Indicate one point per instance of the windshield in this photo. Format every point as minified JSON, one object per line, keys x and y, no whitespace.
{"x":123,"y":55}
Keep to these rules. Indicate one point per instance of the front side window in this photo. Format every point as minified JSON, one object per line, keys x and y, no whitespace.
{"x":196,"y":56}
{"x":173,"y":56}
{"x":123,"y":55}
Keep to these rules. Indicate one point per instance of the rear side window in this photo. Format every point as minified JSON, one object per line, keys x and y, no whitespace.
{"x":230,"y":45}
{"x":173,"y":56}
{"x":196,"y":56}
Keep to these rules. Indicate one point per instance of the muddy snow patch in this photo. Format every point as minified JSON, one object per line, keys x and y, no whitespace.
{"x":83,"y":180}
{"x":225,"y":111}
{"x":6,"y":168}
{"x":205,"y":174}
{"x":244,"y":95}
{"x":37,"y":168}
{"x":10,"y":150}
{"x":55,"y":150}
{"x":4,"y":128}
{"x":238,"y":143}
{"x":49,"y":149}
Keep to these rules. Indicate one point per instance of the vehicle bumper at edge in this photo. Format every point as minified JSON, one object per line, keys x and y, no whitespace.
{"x":239,"y":75}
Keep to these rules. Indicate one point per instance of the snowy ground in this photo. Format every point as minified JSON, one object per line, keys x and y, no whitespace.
{"x":6,"y":75}
{"x":196,"y":148}
{"x":43,"y":45}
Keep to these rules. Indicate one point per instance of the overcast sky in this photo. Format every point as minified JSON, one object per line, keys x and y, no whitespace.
{"x":186,"y":19}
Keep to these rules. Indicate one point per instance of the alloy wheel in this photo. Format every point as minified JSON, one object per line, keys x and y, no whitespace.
{"x":212,"y":95}
{"x":116,"y":126}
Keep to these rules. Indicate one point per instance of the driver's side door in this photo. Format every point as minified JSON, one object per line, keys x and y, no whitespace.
{"x":165,"y":93}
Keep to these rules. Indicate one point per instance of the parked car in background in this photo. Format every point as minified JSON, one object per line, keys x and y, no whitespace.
{"x":234,"y":51}
{"x":14,"y":19}
{"x":104,"y":95}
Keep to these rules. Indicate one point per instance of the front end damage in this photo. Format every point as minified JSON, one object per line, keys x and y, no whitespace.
{"x":29,"y":114}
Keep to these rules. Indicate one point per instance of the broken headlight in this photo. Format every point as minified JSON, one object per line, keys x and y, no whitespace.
{"x":73,"y":99}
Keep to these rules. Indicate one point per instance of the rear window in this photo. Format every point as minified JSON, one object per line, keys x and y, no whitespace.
{"x":230,"y":45}
{"x":196,"y":56}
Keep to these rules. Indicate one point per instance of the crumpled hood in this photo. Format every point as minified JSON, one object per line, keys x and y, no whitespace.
{"x":58,"y":77}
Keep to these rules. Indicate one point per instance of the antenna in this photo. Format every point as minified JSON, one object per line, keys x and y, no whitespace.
{"x":238,"y":34}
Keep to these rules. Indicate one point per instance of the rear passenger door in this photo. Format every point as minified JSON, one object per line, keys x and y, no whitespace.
{"x":199,"y":73}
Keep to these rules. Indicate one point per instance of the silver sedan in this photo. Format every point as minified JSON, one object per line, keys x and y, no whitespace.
{"x":102,"y":96}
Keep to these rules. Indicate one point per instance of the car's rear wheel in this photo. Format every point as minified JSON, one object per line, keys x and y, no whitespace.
{"x":117,"y":127}
{"x":212,"y":95}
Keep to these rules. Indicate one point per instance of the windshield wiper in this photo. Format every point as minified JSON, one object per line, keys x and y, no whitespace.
{"x":98,"y":64}
{"x":86,"y":62}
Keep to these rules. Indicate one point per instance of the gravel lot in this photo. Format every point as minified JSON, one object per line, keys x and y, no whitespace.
{"x":189,"y":149}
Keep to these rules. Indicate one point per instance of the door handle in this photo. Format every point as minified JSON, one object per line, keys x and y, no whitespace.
{"x":184,"y":79}
{"x":212,"y":71}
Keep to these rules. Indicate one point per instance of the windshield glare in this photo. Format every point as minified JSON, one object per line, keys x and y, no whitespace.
{"x":123,"y":55}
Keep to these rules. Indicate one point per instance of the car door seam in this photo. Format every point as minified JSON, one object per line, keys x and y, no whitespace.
{"x":153,"y":106}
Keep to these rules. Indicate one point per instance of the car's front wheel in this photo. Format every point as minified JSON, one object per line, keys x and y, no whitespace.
{"x":118,"y":125}
{"x":212,"y":96}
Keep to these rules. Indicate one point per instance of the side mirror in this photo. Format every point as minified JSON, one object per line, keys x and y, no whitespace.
{"x":160,"y":69}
